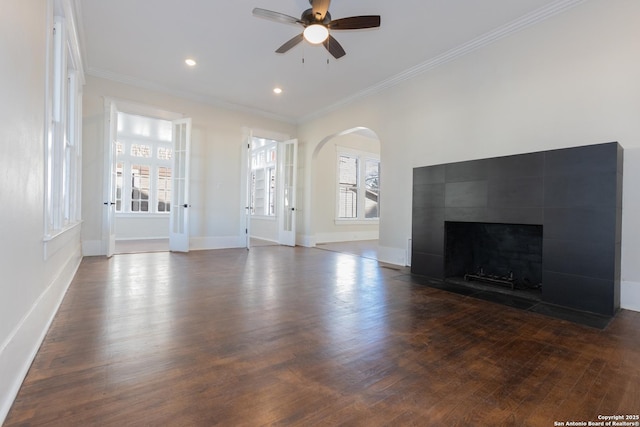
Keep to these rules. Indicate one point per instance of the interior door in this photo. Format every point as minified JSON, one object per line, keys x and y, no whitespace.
{"x":247,"y":194}
{"x":179,"y":219}
{"x":288,"y":168}
{"x":109,"y":188}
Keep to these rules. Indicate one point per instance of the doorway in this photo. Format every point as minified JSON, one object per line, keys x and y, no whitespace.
{"x":346,"y":191}
{"x":144,"y":154}
{"x":271,"y":173}
{"x":147,"y":181}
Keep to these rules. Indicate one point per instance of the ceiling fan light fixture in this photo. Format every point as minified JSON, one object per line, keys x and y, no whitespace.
{"x":316,"y":33}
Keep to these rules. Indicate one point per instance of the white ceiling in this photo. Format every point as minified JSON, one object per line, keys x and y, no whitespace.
{"x":145,"y":43}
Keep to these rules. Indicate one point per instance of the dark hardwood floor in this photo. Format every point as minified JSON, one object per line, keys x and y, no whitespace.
{"x":298,"y":336}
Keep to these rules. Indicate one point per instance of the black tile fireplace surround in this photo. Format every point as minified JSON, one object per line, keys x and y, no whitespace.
{"x":574,"y":195}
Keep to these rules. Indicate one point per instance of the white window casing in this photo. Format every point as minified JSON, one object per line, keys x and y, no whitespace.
{"x":63,"y":112}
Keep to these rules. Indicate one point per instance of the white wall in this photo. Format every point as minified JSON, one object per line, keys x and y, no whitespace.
{"x":265,"y":228}
{"x":136,"y":227}
{"x":568,"y":81}
{"x":325,"y":187}
{"x":216,"y":164}
{"x":31,"y":287}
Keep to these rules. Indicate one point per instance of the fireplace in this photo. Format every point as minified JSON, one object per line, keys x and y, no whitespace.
{"x":574,"y":195}
{"x":500,"y":255}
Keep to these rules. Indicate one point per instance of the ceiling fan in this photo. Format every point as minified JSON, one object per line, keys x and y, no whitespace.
{"x":317,"y":23}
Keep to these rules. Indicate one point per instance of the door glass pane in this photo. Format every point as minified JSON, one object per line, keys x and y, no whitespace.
{"x":179,"y":190}
{"x":288,"y":186}
{"x":288,"y":213}
{"x":119,"y":182}
{"x":271,"y":173}
{"x":371,"y":184}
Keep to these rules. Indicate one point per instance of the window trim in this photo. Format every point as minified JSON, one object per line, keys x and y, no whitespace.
{"x":63,"y":135}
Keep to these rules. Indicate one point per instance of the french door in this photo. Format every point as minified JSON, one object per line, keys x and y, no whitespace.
{"x":287,"y":173}
{"x":179,"y":212}
{"x":109,"y":188}
{"x":179,"y":222}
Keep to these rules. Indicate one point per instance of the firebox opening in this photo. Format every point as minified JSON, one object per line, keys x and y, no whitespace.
{"x":505,"y":257}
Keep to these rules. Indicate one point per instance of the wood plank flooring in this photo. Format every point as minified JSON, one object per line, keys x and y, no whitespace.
{"x":299,"y":336}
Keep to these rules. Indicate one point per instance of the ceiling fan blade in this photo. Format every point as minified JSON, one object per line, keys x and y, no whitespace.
{"x":320,"y":8}
{"x":355,"y":22}
{"x":334,"y":47}
{"x":275,"y":16}
{"x":291,"y":43}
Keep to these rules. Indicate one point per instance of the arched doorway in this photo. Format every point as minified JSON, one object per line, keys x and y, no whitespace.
{"x":345,"y":190}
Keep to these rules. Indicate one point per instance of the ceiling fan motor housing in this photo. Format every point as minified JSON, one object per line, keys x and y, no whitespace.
{"x":309,"y":18}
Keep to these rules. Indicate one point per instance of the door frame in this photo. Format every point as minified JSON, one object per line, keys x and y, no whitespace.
{"x":245,"y":180}
{"x":112,"y":106}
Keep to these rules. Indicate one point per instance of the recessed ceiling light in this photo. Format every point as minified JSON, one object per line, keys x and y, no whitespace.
{"x":190,"y":62}
{"x":277,"y":91}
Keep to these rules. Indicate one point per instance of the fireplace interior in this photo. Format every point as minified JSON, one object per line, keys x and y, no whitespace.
{"x":505,"y":256}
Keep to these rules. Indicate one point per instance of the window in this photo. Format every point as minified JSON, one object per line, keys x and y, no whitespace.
{"x":348,"y":187}
{"x":144,"y":154}
{"x":164,"y":189}
{"x":358,"y":186}
{"x":140,"y":188}
{"x":63,"y":147}
{"x":263,"y":177}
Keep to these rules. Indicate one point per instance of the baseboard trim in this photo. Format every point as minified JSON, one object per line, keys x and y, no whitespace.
{"x":94,"y":247}
{"x":346,"y":236}
{"x":20,"y":348}
{"x":132,"y":239}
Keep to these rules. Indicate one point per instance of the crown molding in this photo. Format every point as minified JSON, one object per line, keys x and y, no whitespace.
{"x":486,"y":39}
{"x":204,"y":99}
